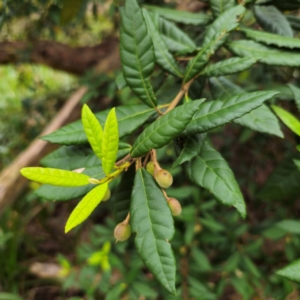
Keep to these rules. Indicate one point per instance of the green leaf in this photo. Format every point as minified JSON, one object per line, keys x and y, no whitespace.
{"x":110,"y":142}
{"x":271,"y":39}
{"x":175,"y":39}
{"x":70,"y":158}
{"x":192,"y":147}
{"x":163,"y":58}
{"x":137,"y":53}
{"x":55,"y":176}
{"x":264,"y":54}
{"x":151,"y":219}
{"x":93,"y":130}
{"x":288,"y":119}
{"x":291,"y":271}
{"x":272,"y":20}
{"x":129,"y":117}
{"x":184,"y":17}
{"x":297,"y":163}
{"x":219,"y":6}
{"x":120,"y":81}
{"x":122,"y":196}
{"x":75,"y":157}
{"x":164,"y":129}
{"x":86,"y":206}
{"x":296,"y":92}
{"x":260,"y":119}
{"x":289,"y":226}
{"x":228,"y":66}
{"x":294,"y":21}
{"x":283,"y":183}
{"x":59,"y":193}
{"x":211,"y":171}
{"x":215,"y":37}
{"x":212,"y":114}
{"x":220,"y":28}
{"x":222,"y":88}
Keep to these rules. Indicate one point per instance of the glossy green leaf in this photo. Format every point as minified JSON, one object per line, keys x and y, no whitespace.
{"x":110,"y":142}
{"x":219,"y":6}
{"x":288,"y":119}
{"x":283,"y":183}
{"x":164,"y":129}
{"x":215,"y":37}
{"x":137,"y":53}
{"x":210,"y":171}
{"x":264,"y":54}
{"x":192,"y":146}
{"x":55,"y":176}
{"x":271,"y":39}
{"x":228,"y":66}
{"x":163,"y":58}
{"x":291,"y":271}
{"x":129,"y":117}
{"x":175,"y":39}
{"x":59,"y":193}
{"x":296,"y":92}
{"x":222,"y":88}
{"x":260,"y":119}
{"x":220,"y":28}
{"x":179,"y":16}
{"x":93,"y":130}
{"x":122,"y":196}
{"x":272,"y":20}
{"x":75,"y":157}
{"x":212,"y":114}
{"x":86,"y":206}
{"x":153,"y":223}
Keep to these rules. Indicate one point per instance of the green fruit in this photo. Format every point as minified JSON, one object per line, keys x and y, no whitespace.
{"x":122,"y":231}
{"x":107,"y":195}
{"x":174,"y":206}
{"x":163,"y":178}
{"x":150,"y":167}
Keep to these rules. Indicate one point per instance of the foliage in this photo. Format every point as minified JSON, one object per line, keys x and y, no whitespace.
{"x":178,"y":73}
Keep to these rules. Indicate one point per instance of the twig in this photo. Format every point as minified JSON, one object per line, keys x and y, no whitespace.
{"x":123,"y":160}
{"x":178,"y":97}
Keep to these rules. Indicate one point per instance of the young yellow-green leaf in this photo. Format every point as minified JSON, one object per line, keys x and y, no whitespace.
{"x":287,"y":118}
{"x":86,"y":206}
{"x":110,"y":142}
{"x":136,"y":52}
{"x":55,"y":176}
{"x":93,"y":130}
{"x":153,"y":223}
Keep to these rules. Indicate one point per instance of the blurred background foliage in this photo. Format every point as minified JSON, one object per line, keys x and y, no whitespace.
{"x":219,"y":256}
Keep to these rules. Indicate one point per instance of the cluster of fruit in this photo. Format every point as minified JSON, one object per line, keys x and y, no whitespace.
{"x":164,"y":179}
